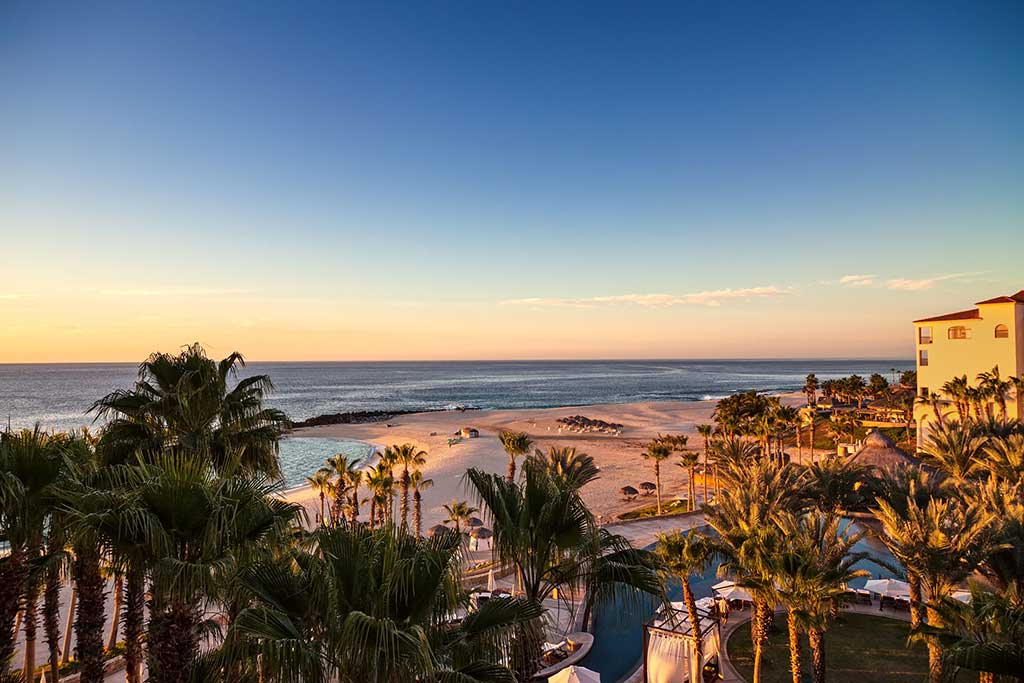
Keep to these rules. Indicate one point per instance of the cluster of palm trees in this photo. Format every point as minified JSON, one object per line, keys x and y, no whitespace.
{"x":985,"y":400}
{"x":765,"y":419}
{"x":779,"y":534}
{"x":340,"y":479}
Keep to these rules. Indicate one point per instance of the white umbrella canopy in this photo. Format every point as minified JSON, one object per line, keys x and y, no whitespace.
{"x":962,"y":596}
{"x":575,"y":674}
{"x":730,"y":591}
{"x":889,"y":587}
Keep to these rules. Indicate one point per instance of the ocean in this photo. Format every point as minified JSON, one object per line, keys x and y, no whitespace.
{"x":58,"y":396}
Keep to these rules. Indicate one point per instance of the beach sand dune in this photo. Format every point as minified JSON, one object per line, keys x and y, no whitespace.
{"x":618,"y":455}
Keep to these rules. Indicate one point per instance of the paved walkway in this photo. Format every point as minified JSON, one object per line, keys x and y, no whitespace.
{"x":644,"y":532}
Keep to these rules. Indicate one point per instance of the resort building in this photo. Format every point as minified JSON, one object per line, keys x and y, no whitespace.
{"x":968,"y":343}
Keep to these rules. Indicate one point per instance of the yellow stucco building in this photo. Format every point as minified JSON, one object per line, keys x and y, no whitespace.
{"x":968,"y":343}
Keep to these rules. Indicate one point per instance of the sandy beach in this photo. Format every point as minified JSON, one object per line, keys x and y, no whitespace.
{"x":618,"y":456}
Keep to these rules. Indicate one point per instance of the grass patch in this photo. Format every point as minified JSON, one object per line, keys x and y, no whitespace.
{"x":671,"y":507}
{"x":859,"y":648}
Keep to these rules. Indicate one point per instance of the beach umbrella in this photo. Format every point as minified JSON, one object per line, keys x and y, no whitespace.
{"x":648,"y":487}
{"x":481,"y":532}
{"x":474,"y":522}
{"x":889,"y":587}
{"x":628,"y":491}
{"x":575,"y":674}
{"x":436,"y":530}
{"x":962,"y":596}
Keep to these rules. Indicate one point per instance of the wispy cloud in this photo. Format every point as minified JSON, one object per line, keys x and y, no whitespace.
{"x":857,"y":280}
{"x":174,"y":291}
{"x":924,"y":283}
{"x":708,"y":298}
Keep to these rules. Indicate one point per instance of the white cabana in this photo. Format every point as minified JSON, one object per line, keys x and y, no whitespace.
{"x":730,"y":591}
{"x":891,"y":588}
{"x":962,"y":596}
{"x":490,"y":581}
{"x":575,"y":674}
{"x":668,"y":657}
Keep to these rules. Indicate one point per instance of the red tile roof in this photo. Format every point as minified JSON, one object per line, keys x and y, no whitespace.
{"x":970,"y":314}
{"x":1017,"y":298}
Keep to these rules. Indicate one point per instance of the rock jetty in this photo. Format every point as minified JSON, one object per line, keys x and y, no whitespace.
{"x":582,"y":424}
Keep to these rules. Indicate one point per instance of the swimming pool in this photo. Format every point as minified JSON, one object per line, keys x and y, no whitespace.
{"x":618,"y":626}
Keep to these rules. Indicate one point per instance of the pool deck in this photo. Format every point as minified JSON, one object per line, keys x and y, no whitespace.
{"x":643,"y":532}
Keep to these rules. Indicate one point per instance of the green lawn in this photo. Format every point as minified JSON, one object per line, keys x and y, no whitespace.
{"x":859,"y":648}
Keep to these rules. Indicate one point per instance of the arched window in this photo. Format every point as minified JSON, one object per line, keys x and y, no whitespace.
{"x":1002,"y":332}
{"x":959,"y":332}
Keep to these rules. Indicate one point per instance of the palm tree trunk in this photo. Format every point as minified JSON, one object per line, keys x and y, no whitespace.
{"x":693,"y":488}
{"x":405,"y":498}
{"x":936,"y":665}
{"x":794,"y":645}
{"x":417,"y":512}
{"x":657,"y":483}
{"x":816,"y":639}
{"x":173,"y":642}
{"x":30,"y":622}
{"x":373,"y":511}
{"x":511,"y":467}
{"x":134,"y":614}
{"x":916,"y":607}
{"x":322,"y":508}
{"x":115,"y":618}
{"x":691,"y":608}
{"x":72,"y":602}
{"x":51,"y":618}
{"x":759,"y":634}
{"x":89,"y":617}
{"x":12,"y":576}
{"x":705,"y":474}
{"x":799,"y":444}
{"x":355,"y":505}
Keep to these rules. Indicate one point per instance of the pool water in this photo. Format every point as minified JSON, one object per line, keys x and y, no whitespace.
{"x":301,"y":456}
{"x":618,"y":626}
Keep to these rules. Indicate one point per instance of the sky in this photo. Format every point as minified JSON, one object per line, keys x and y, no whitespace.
{"x":480,"y":180}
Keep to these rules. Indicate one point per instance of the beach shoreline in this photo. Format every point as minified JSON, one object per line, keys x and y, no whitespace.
{"x":617,"y":454}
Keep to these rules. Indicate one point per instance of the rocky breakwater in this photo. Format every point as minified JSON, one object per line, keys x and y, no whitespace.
{"x":356,"y":417}
{"x":582,"y":424}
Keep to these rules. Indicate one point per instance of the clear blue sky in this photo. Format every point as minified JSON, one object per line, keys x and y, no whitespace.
{"x":302,"y":180}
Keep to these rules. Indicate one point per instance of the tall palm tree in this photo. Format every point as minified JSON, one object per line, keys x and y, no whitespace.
{"x":788,"y":418}
{"x":843,"y":426}
{"x":956,"y":449}
{"x":706,"y":431}
{"x":942,"y":543}
{"x":957,"y":390}
{"x":834,"y":485}
{"x":323,"y":485}
{"x":575,"y":469}
{"x":995,"y":388}
{"x":379,"y":481}
{"x":811,"y":386}
{"x":517,"y":445}
{"x":409,"y":457}
{"x":341,"y":612}
{"x":683,"y":555}
{"x":656,"y":452}
{"x":688,"y":461}
{"x":544,"y":532}
{"x":31,"y":467}
{"x":458,"y":512}
{"x":187,"y":402}
{"x":808,"y":415}
{"x":419,"y":484}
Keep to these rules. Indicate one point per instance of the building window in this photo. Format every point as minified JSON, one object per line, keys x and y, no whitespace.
{"x":959,"y":332}
{"x":924,"y":335}
{"x":1002,"y":332}
{"x":924,"y":392}
{"x":922,"y":359}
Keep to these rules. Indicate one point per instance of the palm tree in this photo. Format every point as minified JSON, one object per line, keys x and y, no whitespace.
{"x":186,"y":402}
{"x":788,"y":418}
{"x":31,"y":467}
{"x":337,"y":612}
{"x":574,"y":469}
{"x":706,"y":431}
{"x":408,"y":456}
{"x":957,"y":389}
{"x":809,"y":574}
{"x":956,"y":449}
{"x":942,"y":543}
{"x":843,"y":426}
{"x":458,"y":511}
{"x":418,"y":484}
{"x":834,"y":485}
{"x":688,"y":461}
{"x":684,"y":555}
{"x":808,"y":415}
{"x":379,"y":481}
{"x":544,"y":532}
{"x":323,"y":484}
{"x":811,"y":389}
{"x":656,"y":452}
{"x":995,"y":388}
{"x":517,"y":445}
